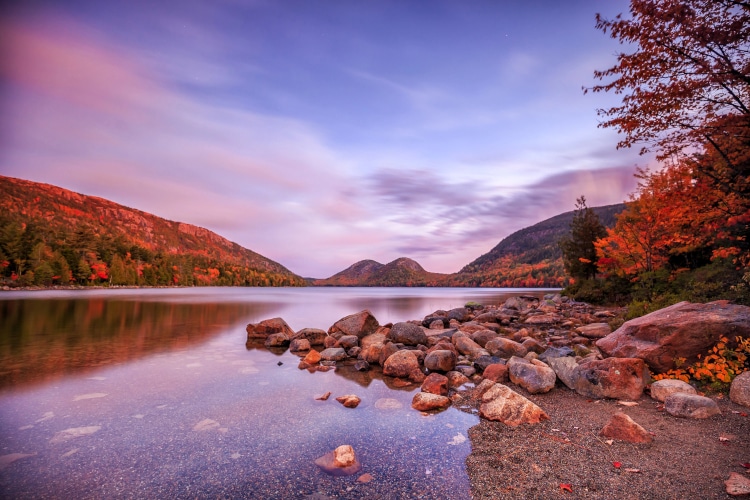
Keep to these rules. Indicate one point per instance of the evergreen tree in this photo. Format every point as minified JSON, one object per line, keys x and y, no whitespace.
{"x":579,"y":252}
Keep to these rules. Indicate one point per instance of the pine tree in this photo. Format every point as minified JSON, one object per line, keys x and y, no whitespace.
{"x":579,"y":252}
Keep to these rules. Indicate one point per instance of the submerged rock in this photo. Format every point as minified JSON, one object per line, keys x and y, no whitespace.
{"x":340,"y":462}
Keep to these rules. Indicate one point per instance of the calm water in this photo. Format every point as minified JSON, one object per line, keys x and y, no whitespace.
{"x":152,"y":394}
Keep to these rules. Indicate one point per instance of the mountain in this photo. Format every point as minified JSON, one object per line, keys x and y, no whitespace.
{"x":529,"y":257}
{"x":400,"y":272}
{"x":91,"y":240}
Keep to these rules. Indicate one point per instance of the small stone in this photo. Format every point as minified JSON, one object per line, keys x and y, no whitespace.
{"x":663,"y":388}
{"x":323,"y":397}
{"x":340,"y":462}
{"x":333,"y":354}
{"x":536,"y":377}
{"x":299,"y":345}
{"x":349,"y":400}
{"x":312,"y":358}
{"x":456,"y":379}
{"x":365,"y":478}
{"x":361,"y":365}
{"x":436,"y":383}
{"x":690,"y":405}
{"x":624,"y":428}
{"x":441,"y":360}
{"x":595,"y":330}
{"x":497,"y":372}
{"x":424,"y":401}
{"x":737,"y":484}
{"x":739,"y":391}
{"x":502,"y":404}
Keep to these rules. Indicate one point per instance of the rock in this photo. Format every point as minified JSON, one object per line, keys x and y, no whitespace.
{"x":624,"y":428}
{"x":360,"y":324}
{"x":690,"y":405}
{"x":323,"y":397}
{"x":312,"y":358}
{"x":739,"y":391}
{"x":565,"y":368}
{"x":556,"y":352}
{"x":543,"y":319}
{"x":468,"y":371}
{"x":501,"y":404}
{"x":365,"y":478}
{"x":333,"y":354}
{"x":532,"y":345}
{"x":299,"y":345}
{"x":594,"y":330}
{"x":436,"y":383}
{"x":388,"y":404}
{"x":483,"y":336}
{"x":425,"y":401}
{"x":663,"y":388}
{"x":505,"y":348}
{"x":497,"y":372}
{"x":737,"y":484}
{"x":386,"y":351}
{"x":354,"y":351}
{"x":268,"y":327}
{"x":347,"y":341}
{"x":436,"y":324}
{"x":361,"y":365}
{"x":536,"y":377}
{"x":340,"y":462}
{"x":460,"y":314}
{"x":378,"y":337}
{"x":401,"y":364}
{"x":483,"y":362}
{"x":456,"y":379}
{"x":349,"y":400}
{"x":440,"y":360}
{"x":683,"y":330}
{"x":407,"y":334}
{"x":466,"y":346}
{"x":277,"y":340}
{"x":616,"y":378}
{"x":315,"y":336}
{"x":330,"y":341}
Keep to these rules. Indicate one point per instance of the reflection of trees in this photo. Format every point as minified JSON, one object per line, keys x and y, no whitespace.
{"x":42,"y":339}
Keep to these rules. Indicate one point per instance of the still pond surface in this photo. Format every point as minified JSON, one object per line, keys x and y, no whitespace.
{"x":153,"y":394}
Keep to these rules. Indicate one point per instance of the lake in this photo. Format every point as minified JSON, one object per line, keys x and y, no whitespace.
{"x":152,"y":393}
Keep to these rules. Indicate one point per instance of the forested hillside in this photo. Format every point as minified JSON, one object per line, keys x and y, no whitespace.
{"x":50,"y":235}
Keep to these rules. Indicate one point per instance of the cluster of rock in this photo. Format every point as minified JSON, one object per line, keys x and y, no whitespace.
{"x":530,"y":342}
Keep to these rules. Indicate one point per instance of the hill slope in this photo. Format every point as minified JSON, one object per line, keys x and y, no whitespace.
{"x":46,"y":227}
{"x":400,"y":272}
{"x":529,"y":257}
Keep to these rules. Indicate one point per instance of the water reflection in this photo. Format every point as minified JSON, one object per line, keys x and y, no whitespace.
{"x":46,"y":339}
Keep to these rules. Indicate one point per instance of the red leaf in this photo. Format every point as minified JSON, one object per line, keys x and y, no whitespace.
{"x":617,"y":464}
{"x":566,"y":487}
{"x":746,"y":465}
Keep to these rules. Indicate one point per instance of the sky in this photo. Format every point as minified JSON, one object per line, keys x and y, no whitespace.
{"x":318,"y":133}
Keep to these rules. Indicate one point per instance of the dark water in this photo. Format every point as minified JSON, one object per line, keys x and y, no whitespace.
{"x":153,"y":394}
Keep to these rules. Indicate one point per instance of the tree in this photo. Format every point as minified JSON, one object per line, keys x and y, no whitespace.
{"x":579,"y":252}
{"x":686,"y":87}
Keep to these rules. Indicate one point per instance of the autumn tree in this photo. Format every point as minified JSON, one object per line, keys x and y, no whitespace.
{"x":686,"y":85}
{"x":579,"y":253}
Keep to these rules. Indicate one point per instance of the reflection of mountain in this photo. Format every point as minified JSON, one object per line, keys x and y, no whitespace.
{"x":46,"y":339}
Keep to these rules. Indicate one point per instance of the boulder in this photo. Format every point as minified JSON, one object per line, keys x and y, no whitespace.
{"x":460,"y":314}
{"x":556,"y":352}
{"x":436,"y":324}
{"x":277,"y":340}
{"x":534,"y":376}
{"x":349,"y":400}
{"x":624,"y":428}
{"x":501,"y":404}
{"x":371,"y":353}
{"x":505,"y":348}
{"x":347,"y":341}
{"x":333,"y":354}
{"x":566,"y":369}
{"x":312,"y":358}
{"x":616,"y":378}
{"x":401,"y":364}
{"x":425,"y":401}
{"x":440,"y":360}
{"x":456,"y":379}
{"x":739,"y":391}
{"x":680,"y":404}
{"x":483,"y":362}
{"x":386,"y":352}
{"x":299,"y":345}
{"x":468,"y":347}
{"x":594,"y":330}
{"x":436,"y":383}
{"x":533,"y":345}
{"x":497,"y":372}
{"x":315,"y":336}
{"x":482,"y":336}
{"x":268,"y":327}
{"x":360,"y":324}
{"x":378,"y":337}
{"x":683,"y":330}
{"x":663,"y":388}
{"x":407,"y":334}
{"x":340,"y":462}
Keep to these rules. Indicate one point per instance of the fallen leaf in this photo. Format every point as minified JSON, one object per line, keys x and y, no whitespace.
{"x":722,"y":438}
{"x":617,"y":464}
{"x":633,"y":471}
{"x":746,"y":465}
{"x":743,"y":414}
{"x":627,"y":403}
{"x":566,"y":487}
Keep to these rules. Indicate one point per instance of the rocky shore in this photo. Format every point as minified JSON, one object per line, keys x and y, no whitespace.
{"x":551,"y":376}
